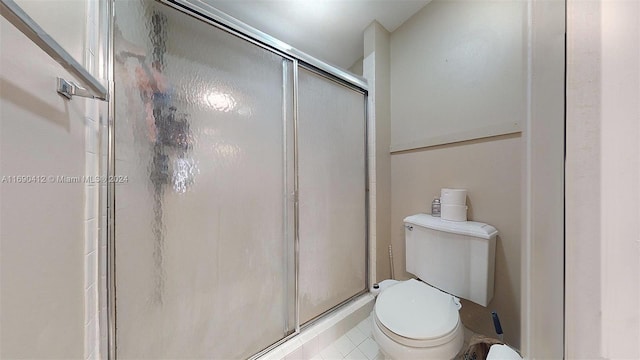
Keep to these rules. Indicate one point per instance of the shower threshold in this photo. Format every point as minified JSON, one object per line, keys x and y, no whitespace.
{"x":323,"y":331}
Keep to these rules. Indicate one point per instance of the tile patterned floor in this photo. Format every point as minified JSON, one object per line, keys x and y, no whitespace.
{"x":358,"y":344}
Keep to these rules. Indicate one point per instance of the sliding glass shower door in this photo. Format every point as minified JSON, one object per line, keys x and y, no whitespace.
{"x":331,"y":129}
{"x":243,"y":216}
{"x":204,"y":247}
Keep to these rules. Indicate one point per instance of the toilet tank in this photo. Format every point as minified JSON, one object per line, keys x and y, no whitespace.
{"x":456,"y":257}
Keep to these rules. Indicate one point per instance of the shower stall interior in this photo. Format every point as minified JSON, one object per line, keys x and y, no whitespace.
{"x":244,"y":217}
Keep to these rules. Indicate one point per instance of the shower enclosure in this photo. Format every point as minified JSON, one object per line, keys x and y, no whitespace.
{"x":244,"y":214}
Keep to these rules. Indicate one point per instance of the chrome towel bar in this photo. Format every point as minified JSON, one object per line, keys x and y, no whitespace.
{"x":23,"y":22}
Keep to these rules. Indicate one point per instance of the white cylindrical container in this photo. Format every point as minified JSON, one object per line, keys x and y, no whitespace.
{"x":454,"y":212}
{"x":453,"y":196}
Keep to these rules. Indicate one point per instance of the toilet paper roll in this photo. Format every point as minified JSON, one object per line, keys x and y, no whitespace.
{"x":453,"y":212}
{"x":453,"y":196}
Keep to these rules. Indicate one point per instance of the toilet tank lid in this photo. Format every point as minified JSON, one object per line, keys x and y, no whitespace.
{"x":469,"y":228}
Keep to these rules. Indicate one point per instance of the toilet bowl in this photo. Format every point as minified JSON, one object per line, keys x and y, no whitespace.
{"x":412,"y":320}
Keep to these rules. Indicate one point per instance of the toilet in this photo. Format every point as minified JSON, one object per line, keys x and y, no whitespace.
{"x":419,"y":319}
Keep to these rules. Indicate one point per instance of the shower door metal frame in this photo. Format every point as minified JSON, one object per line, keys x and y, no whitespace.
{"x":111,"y":187}
{"x":213,"y":16}
{"x":210,"y":15}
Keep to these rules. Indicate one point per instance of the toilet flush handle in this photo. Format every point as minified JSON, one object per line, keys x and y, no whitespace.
{"x":409,"y":227}
{"x":456,"y":301}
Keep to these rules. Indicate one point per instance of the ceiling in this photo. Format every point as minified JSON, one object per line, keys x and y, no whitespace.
{"x":330,"y":30}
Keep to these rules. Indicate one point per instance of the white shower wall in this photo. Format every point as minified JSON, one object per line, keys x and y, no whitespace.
{"x":96,"y":151}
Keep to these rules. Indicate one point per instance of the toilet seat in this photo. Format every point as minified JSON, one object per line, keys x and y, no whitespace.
{"x":417,"y":315}
{"x":418,"y":343}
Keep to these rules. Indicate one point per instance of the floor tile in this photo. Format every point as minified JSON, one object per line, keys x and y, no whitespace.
{"x":356,"y":336}
{"x":358,"y":343}
{"x":365,"y":326}
{"x":369,"y":348}
{"x":344,"y":345}
{"x":356,"y":355}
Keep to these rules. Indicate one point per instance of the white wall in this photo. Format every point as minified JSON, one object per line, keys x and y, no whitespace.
{"x":603,"y":180}
{"x":376,"y":65}
{"x":50,"y":231}
{"x":356,"y":68}
{"x":96,"y":151}
{"x":459,"y":73}
{"x":543,"y":200}
{"x":620,"y":186}
{"x":486,"y":43}
{"x":583,"y":167}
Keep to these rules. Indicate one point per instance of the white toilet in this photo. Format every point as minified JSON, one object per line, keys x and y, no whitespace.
{"x":419,"y":319}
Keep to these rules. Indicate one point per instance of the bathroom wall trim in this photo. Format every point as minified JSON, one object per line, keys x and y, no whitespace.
{"x":468,"y":135}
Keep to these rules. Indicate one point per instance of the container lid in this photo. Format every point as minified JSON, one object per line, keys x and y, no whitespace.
{"x":415,"y":310}
{"x":502,"y":352}
{"x":470,"y":228}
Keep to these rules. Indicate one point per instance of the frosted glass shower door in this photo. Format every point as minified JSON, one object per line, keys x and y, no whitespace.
{"x":332,"y":208}
{"x":204,"y":248}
